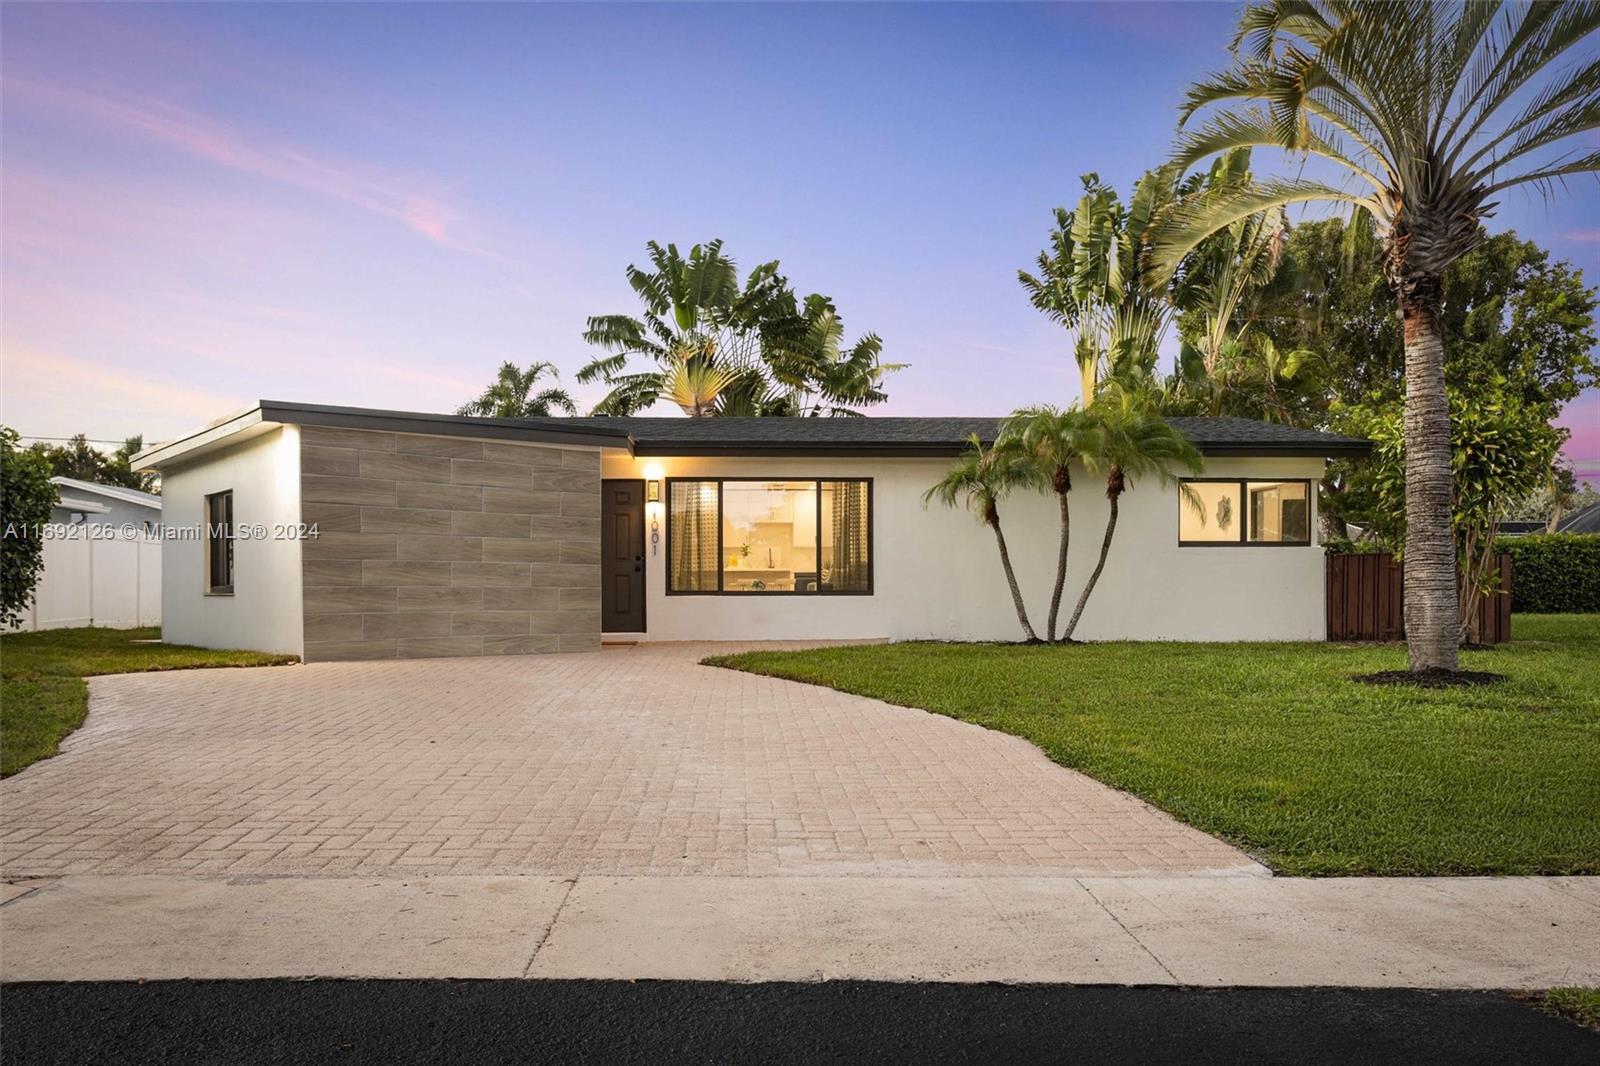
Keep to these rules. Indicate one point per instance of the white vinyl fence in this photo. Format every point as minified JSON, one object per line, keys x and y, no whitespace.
{"x":112,"y":581}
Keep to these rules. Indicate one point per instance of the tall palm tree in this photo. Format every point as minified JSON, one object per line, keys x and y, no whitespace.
{"x":512,"y":396}
{"x":1091,"y":278}
{"x":1131,"y":442}
{"x":1431,"y":111}
{"x":1051,"y":439}
{"x":979,"y":480}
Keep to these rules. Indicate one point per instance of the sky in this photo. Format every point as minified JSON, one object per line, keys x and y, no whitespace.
{"x":375,"y":205}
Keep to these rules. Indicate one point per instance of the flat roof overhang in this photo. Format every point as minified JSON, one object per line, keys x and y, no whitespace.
{"x":268,"y":415}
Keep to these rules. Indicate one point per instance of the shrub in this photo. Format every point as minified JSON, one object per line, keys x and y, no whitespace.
{"x":1554,"y":573}
{"x":1337,"y":545}
{"x":26,"y":497}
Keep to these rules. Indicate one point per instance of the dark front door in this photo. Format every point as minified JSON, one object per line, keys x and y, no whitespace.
{"x":622,"y":556}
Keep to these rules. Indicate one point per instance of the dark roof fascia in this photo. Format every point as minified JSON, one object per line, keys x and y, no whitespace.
{"x":940,"y":449}
{"x":311,"y":414}
{"x":835,"y":450}
{"x":1350,"y":449}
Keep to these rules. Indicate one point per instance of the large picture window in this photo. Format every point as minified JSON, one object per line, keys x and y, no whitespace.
{"x":1240,"y":511}
{"x":750,"y":536}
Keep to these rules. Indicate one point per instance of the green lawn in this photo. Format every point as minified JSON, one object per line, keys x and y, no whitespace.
{"x":1272,"y":747}
{"x":1582,"y":1005}
{"x":42,"y":693}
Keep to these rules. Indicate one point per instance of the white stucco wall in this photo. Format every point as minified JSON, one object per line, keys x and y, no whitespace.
{"x":937,"y":572}
{"x":264,"y":611}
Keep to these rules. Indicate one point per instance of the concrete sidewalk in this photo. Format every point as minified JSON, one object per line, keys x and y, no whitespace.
{"x":1416,"y":932}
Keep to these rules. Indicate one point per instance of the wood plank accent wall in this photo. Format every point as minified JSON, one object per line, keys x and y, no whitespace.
{"x":1364,"y":600}
{"x":439,"y":546}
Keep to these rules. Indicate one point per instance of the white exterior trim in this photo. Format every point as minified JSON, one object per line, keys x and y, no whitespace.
{"x":113,"y":492}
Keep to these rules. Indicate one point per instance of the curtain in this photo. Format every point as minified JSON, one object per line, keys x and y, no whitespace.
{"x":850,"y":570}
{"x":692,"y":536}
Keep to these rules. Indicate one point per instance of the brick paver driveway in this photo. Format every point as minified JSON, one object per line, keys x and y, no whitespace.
{"x":631,"y":761}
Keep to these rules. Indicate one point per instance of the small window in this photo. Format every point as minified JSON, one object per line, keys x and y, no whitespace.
{"x":1238,"y":511}
{"x":1219,"y":518}
{"x":750,"y":536}
{"x":1280,"y":512}
{"x":219,"y":543}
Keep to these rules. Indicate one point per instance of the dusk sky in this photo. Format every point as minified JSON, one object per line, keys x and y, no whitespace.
{"x":376,"y":205}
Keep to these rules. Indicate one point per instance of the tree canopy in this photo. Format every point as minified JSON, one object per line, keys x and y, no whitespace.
{"x":511,"y":395}
{"x":1510,"y":314}
{"x":26,"y":497}
{"x":79,"y":459}
{"x":716,"y":346}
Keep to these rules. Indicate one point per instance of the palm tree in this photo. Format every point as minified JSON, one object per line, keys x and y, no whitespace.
{"x":1432,"y":111}
{"x":695,"y":312}
{"x":508,"y":396}
{"x":823,"y":374}
{"x":1051,"y":439}
{"x":1091,"y":279}
{"x":978,"y":481}
{"x":1229,"y":267}
{"x":767,"y":352}
{"x":1130,"y":442}
{"x":695,"y":386}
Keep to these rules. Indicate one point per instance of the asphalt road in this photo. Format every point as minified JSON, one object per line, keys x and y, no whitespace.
{"x":241,"y":1022}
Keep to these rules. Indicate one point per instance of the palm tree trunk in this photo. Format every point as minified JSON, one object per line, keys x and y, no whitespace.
{"x":1432,"y":603}
{"x":1011,"y":579}
{"x":1061,"y":566}
{"x":1105,"y":549}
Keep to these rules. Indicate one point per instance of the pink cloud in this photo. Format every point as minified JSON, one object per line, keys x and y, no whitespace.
{"x":406,"y":199}
{"x":1582,"y":450}
{"x":64,"y":393}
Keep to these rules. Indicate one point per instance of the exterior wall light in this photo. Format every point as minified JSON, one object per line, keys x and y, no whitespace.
{"x":652,"y":491}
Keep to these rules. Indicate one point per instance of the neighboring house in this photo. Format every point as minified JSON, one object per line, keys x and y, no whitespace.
{"x":90,"y":503}
{"x":102,"y":561}
{"x":448,"y":535}
{"x":1584,"y":521}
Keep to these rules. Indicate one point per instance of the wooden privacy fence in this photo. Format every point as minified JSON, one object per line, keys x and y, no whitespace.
{"x":1364,"y":600}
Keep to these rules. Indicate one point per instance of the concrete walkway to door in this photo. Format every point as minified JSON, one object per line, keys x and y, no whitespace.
{"x":633,"y":761}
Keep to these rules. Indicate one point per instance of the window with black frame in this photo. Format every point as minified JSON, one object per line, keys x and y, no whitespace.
{"x":219,"y":543}
{"x":1242,"y":511}
{"x":754,"y":536}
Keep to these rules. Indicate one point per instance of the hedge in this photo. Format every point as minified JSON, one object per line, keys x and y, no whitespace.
{"x":1554,"y":573}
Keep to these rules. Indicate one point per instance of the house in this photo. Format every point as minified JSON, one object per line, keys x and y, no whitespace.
{"x":102,"y":559}
{"x":340,"y":533}
{"x":1584,"y":521}
{"x":90,"y":503}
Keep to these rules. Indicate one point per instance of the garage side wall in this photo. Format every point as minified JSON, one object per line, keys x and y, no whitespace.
{"x":263,"y":611}
{"x":435,"y":546}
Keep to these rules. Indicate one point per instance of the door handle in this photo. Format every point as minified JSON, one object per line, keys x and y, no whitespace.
{"x":638,"y":564}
